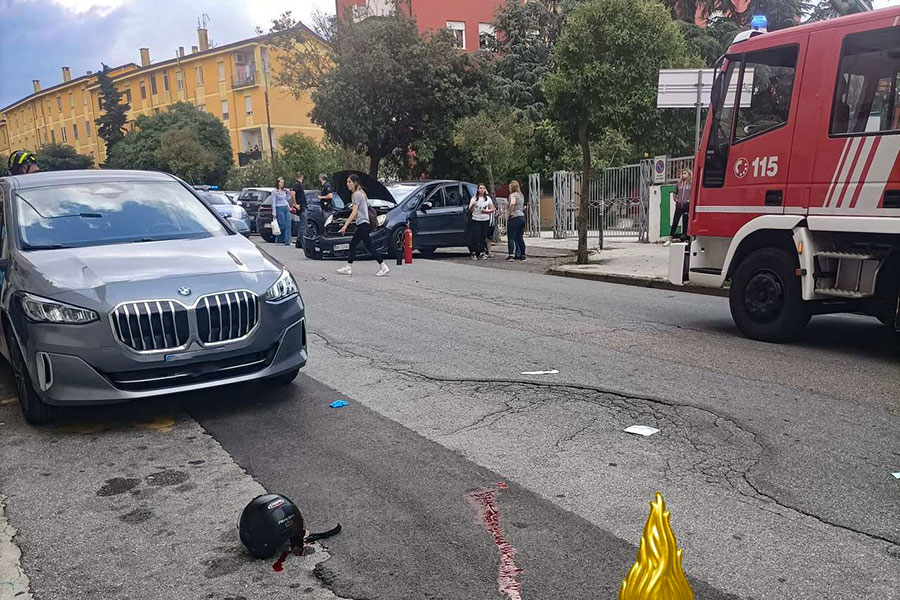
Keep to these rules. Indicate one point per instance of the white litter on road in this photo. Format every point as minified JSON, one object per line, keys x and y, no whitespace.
{"x":643,"y":430}
{"x":896,"y":475}
{"x":553,"y":372}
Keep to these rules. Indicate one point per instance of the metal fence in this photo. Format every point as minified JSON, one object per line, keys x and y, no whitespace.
{"x":533,"y":226}
{"x":619,"y":200}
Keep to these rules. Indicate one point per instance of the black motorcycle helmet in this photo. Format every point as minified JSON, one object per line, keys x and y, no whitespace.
{"x":268,"y":523}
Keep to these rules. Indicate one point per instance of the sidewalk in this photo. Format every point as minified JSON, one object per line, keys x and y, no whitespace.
{"x":623,"y":260}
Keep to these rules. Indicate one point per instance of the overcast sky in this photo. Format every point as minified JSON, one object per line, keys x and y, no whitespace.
{"x":37,"y":37}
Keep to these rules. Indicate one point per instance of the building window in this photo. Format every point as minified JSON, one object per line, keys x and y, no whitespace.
{"x":224,"y":110}
{"x":143,"y":91}
{"x":87,"y":128}
{"x":198,"y":73}
{"x":179,"y":80}
{"x":248,"y":105}
{"x":165,"y":80}
{"x":65,"y":138}
{"x":52,"y":137}
{"x":486,"y":36}
{"x":72,"y":100}
{"x":458,"y":29}
{"x":221,"y":71}
{"x":84,"y":97}
{"x":128,"y":96}
{"x":153,"y":90}
{"x":59,"y":103}
{"x":99,"y":102}
{"x":75,"y":130}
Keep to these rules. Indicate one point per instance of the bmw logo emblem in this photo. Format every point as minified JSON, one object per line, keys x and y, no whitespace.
{"x":184,"y":291}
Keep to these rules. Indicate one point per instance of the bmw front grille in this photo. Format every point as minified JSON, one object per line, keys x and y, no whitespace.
{"x":165,"y":325}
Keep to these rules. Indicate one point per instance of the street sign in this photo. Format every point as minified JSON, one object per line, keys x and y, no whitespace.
{"x":659,"y":169}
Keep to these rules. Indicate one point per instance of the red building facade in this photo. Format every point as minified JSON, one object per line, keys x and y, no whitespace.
{"x":470,"y":20}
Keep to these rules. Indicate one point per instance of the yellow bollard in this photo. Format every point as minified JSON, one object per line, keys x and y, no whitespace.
{"x":657,"y":573}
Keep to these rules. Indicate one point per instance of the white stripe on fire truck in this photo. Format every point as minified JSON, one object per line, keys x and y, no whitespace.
{"x":857,"y":176}
{"x":845,"y":171}
{"x":852,"y":200}
{"x":879,"y":172}
{"x":837,"y":169}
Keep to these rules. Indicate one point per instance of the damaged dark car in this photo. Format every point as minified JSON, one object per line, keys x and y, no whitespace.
{"x":435,"y":210}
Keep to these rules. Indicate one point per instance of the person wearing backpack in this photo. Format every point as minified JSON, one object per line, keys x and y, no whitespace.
{"x":364,"y":216}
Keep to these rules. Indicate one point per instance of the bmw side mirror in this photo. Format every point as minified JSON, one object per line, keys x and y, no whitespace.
{"x":426,"y":206}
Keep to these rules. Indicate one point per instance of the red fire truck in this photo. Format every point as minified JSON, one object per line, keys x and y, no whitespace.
{"x":796,"y":199}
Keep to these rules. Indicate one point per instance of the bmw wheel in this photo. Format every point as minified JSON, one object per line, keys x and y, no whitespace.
{"x":35,"y":410}
{"x":309,"y":245}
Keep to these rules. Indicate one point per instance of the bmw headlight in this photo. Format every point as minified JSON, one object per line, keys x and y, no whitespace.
{"x":44,"y":310}
{"x":329,"y":220}
{"x":382,"y":219}
{"x":283,"y":288}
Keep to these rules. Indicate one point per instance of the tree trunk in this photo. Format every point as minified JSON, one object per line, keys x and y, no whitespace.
{"x":490,"y":171}
{"x":584,"y":204}
{"x":374,"y":163}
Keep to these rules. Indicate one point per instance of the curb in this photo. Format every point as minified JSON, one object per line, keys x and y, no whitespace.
{"x":646,"y":282}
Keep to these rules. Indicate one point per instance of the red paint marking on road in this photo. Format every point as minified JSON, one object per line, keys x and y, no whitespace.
{"x":485,"y":503}
{"x":279,"y":564}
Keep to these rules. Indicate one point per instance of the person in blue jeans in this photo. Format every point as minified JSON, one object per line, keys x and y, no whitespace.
{"x":281,"y":204}
{"x":516,"y":225}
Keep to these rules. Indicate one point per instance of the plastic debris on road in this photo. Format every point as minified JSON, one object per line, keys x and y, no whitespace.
{"x":896,"y":475}
{"x":338,"y":404}
{"x":643,"y":430}
{"x":551,"y":372}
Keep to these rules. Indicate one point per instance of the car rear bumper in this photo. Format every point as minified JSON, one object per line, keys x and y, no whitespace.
{"x":70,"y":380}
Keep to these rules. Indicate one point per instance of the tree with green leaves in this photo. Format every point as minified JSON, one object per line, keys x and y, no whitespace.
{"x":61,"y":157}
{"x":386,"y":86}
{"x":184,"y":141}
{"x":496,"y":139}
{"x":605,"y":71}
{"x":111,"y":123}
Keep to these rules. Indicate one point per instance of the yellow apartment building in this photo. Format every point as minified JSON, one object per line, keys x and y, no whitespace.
{"x":234,"y":82}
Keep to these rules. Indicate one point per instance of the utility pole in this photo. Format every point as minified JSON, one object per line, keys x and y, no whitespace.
{"x":265,"y":70}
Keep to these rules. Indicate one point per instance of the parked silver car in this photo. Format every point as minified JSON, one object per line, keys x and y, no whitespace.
{"x":119,"y":285}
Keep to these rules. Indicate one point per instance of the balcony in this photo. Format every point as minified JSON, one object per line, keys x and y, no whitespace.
{"x":245,"y":78}
{"x":245,"y":158}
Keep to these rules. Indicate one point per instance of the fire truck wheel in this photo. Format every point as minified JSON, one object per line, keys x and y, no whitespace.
{"x":766,"y":299}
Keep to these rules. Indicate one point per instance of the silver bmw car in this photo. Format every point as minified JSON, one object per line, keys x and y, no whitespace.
{"x":119,"y":285}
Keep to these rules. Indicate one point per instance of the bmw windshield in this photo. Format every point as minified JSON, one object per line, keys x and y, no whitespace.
{"x":217,"y":198}
{"x":118,"y":212}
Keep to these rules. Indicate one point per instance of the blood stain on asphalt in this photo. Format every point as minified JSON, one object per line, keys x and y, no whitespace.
{"x":117,"y":485}
{"x":485,"y":503}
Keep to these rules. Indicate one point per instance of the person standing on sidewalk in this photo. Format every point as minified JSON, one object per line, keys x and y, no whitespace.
{"x":682,"y":207}
{"x":300,"y":205}
{"x":281,"y":207}
{"x":359,"y":213}
{"x":515,"y":228}
{"x":482,"y":207}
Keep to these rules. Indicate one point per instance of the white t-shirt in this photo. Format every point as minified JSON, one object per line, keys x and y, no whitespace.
{"x":478,"y":206}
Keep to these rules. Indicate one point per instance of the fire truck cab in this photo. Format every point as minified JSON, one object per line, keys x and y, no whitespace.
{"x":796,"y":199}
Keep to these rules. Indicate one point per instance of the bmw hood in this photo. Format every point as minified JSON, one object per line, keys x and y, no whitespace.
{"x":93,"y":268}
{"x":375,"y":190}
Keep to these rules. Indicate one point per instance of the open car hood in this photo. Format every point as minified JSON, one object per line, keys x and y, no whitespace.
{"x":379,"y":196}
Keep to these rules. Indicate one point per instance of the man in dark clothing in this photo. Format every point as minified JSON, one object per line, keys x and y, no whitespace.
{"x":300,"y":203}
{"x":326,"y":196}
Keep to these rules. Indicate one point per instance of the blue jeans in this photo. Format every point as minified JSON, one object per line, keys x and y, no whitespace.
{"x":515,"y":234}
{"x":283,"y":215}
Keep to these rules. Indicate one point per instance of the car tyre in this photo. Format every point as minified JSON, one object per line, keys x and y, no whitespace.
{"x":766,"y":299}
{"x":285,"y":378}
{"x":309,"y":245}
{"x":35,"y":410}
{"x":398,"y":237}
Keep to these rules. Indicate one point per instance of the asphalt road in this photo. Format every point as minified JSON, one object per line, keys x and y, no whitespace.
{"x":775,"y":461}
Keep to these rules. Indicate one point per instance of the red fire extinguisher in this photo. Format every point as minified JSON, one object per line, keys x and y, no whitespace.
{"x":408,"y":245}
